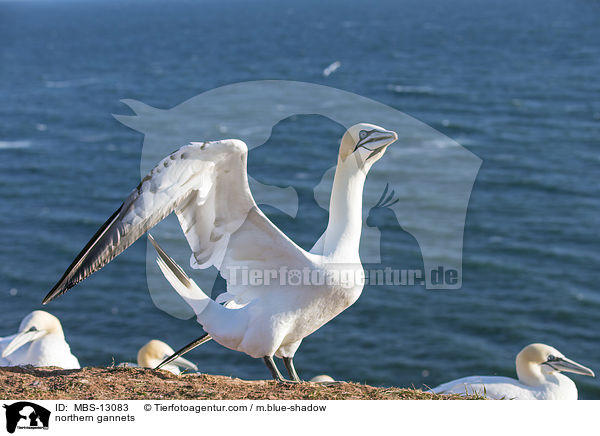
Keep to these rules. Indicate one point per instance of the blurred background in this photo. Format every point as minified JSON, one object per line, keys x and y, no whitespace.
{"x":515,"y":83}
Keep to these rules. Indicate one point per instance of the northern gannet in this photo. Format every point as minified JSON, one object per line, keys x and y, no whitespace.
{"x":40,"y":341}
{"x":154,"y":352}
{"x":206,"y":185}
{"x":538,"y":369}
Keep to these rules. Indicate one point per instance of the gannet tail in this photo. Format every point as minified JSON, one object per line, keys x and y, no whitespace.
{"x":185,"y":286}
{"x":231,"y":324}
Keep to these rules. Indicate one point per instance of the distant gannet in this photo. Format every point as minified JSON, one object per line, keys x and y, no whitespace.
{"x":332,"y":68}
{"x":40,"y":341}
{"x":538,"y":369}
{"x":322,"y":378}
{"x":155,"y":351}
{"x":206,"y":185}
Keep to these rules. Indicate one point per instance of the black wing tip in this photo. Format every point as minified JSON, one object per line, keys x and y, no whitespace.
{"x":73,"y":274}
{"x":56,"y":292}
{"x":189,"y":347}
{"x":166,"y":361}
{"x":51,"y":296}
{"x":169,"y":359}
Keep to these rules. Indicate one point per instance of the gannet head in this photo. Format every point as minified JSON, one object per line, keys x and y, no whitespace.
{"x":367,"y":142}
{"x":155,"y":351}
{"x":34,"y":326}
{"x":535,"y":361}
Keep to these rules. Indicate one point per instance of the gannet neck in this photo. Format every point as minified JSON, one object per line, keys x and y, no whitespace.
{"x":530,"y":373}
{"x":527,"y":362}
{"x":342,"y":237}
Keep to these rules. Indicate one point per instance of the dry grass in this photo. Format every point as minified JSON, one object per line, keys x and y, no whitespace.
{"x":141,"y":384}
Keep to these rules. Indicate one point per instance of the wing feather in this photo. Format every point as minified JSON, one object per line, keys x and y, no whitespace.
{"x":206,"y":185}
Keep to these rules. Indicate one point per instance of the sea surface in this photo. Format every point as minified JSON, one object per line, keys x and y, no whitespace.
{"x":516,"y":83}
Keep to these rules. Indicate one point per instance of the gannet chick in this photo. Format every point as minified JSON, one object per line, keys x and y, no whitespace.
{"x":40,"y":341}
{"x":206,"y":185}
{"x":155,"y":351}
{"x":539,"y":369}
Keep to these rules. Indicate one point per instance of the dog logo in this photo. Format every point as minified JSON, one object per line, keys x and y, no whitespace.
{"x":26,"y":415}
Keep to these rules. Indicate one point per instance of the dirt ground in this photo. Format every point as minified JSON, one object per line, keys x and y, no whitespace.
{"x":141,"y":384}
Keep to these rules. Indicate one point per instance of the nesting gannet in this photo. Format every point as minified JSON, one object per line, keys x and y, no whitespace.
{"x":538,"y":369}
{"x":40,"y":341}
{"x":155,"y":351}
{"x":206,"y":185}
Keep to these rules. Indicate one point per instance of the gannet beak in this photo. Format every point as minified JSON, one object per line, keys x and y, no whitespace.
{"x":22,"y":339}
{"x":381,"y":148}
{"x":377,"y":141}
{"x":388,"y":137}
{"x":183,"y":363}
{"x":564,"y":364}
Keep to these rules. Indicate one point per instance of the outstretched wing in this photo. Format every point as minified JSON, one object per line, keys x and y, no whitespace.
{"x":206,"y":185}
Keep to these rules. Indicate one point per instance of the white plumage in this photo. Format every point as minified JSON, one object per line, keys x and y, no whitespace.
{"x":40,"y":341}
{"x":206,"y":185}
{"x":538,"y":369}
{"x":322,"y":378}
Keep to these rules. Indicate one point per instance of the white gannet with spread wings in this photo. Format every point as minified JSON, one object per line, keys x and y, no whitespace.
{"x":539,"y":369}
{"x":206,"y":185}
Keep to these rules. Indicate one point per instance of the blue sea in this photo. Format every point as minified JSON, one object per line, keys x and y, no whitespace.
{"x":515,"y":83}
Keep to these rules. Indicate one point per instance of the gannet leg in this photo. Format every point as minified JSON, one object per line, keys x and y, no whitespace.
{"x":289,"y":365}
{"x":273,"y":368}
{"x":275,"y":372}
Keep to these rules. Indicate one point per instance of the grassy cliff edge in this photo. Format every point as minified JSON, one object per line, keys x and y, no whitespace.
{"x":118,"y":383}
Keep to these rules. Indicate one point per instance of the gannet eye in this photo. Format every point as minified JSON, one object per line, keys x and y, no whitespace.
{"x":362,"y":134}
{"x":32,"y":329}
{"x":551,"y":358}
